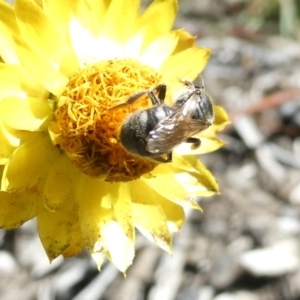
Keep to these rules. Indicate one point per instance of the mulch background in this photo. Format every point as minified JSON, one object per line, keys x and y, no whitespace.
{"x":246,"y":243}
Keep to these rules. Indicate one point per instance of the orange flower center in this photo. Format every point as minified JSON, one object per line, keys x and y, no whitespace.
{"x":86,"y":127}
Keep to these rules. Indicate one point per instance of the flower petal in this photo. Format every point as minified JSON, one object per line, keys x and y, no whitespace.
{"x":221,"y":118}
{"x":31,"y":114}
{"x":30,"y":162}
{"x":62,"y":176}
{"x":165,"y":184}
{"x":83,"y":43}
{"x":133,"y":46}
{"x":120,"y":19}
{"x":76,"y":242}
{"x":60,"y":13}
{"x":93,"y":212}
{"x":8,"y":28}
{"x":141,"y":193}
{"x":121,"y":205}
{"x":156,"y":26}
{"x":47,"y":40}
{"x":151,"y":222}
{"x":96,"y":214}
{"x":159,"y":50}
{"x":84,"y":28}
{"x":45,"y":72}
{"x":209,"y":143}
{"x":56,"y":229}
{"x":17,"y":208}
{"x":8,"y":141}
{"x":17,"y":81}
{"x":186,"y":64}
{"x":197,"y":180}
{"x":91,"y":14}
{"x":185,"y":41}
{"x":119,"y":246}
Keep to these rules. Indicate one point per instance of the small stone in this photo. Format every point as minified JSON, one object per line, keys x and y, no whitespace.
{"x":240,"y":295}
{"x":288,"y":226}
{"x":8,"y":265}
{"x":277,"y":260}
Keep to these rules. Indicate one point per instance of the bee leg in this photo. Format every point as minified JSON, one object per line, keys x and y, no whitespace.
{"x":161,"y":94}
{"x":135,"y":96}
{"x":131,"y":99}
{"x":156,"y":100}
{"x":162,"y":159}
{"x":169,"y":156}
{"x":161,"y":90}
{"x":195,"y":142}
{"x":186,"y":82}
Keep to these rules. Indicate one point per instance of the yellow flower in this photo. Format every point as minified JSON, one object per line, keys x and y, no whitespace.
{"x":63,"y":65}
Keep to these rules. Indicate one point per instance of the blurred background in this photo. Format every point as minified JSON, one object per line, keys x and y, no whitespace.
{"x":246,"y":244}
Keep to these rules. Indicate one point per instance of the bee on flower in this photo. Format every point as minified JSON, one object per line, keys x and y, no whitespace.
{"x":65,"y":68}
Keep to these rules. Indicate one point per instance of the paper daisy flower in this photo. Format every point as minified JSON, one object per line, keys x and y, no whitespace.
{"x":63,"y":65}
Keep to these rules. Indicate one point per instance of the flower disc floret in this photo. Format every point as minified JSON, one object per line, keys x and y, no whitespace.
{"x":87,"y":123}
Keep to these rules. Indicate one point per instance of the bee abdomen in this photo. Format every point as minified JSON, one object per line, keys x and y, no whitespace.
{"x":135,"y":129}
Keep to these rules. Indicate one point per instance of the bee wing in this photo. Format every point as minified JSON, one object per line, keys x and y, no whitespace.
{"x":176,"y":128}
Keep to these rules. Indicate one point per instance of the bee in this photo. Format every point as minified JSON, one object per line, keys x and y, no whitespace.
{"x":204,"y":110}
{"x":156,"y":131}
{"x":194,"y":113}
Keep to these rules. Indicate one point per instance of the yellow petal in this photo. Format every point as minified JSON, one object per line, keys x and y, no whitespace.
{"x":17,"y":81}
{"x":30,"y":163}
{"x":133,"y":46}
{"x":38,"y":31}
{"x":10,"y":139}
{"x":93,"y":211}
{"x":99,"y":257}
{"x":209,"y":143}
{"x":83,"y":43}
{"x":141,"y":193}
{"x":197,"y":180}
{"x":8,"y":28}
{"x":60,"y":180}
{"x":186,"y":64}
{"x":185,"y":41}
{"x":166,"y":184}
{"x":45,"y":72}
{"x":8,"y":144}
{"x":117,"y":28}
{"x":91,"y":14}
{"x":27,"y":114}
{"x":69,"y":63}
{"x":120,"y":19}
{"x":95,"y":199}
{"x":59,"y":12}
{"x":56,"y":229}
{"x":221,"y":118}
{"x":121,"y":205}
{"x":119,"y":246}
{"x":159,"y":50}
{"x":40,"y":2}
{"x":17,"y":208}
{"x":154,"y":25}
{"x":76,"y":242}
{"x":151,"y":222}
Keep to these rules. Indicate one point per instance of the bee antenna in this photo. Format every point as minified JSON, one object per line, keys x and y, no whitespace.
{"x":201,"y":82}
